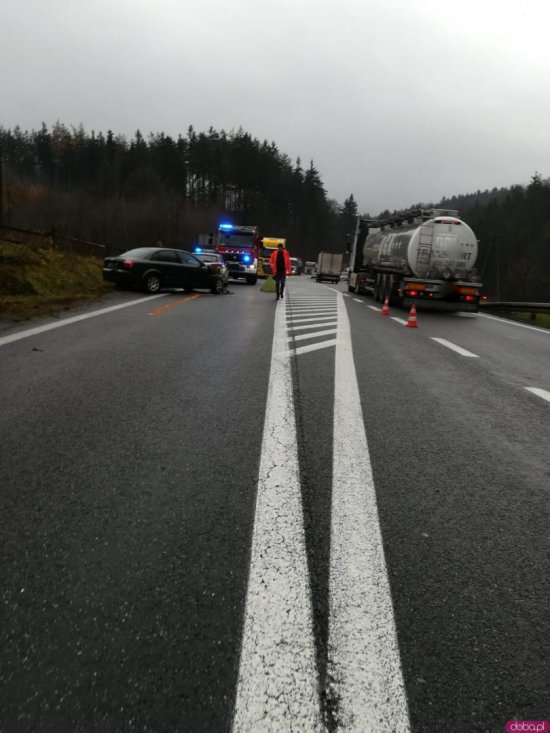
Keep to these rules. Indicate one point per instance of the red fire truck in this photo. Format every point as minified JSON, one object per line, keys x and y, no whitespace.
{"x":240,"y":248}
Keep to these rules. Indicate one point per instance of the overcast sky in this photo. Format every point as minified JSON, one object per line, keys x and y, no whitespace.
{"x":397,"y":101}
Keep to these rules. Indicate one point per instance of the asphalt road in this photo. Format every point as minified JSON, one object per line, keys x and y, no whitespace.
{"x":146,"y":515}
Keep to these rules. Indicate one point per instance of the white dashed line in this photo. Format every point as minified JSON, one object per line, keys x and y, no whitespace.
{"x":454,"y":347}
{"x":399,"y":320}
{"x":374,"y":308}
{"x":358,"y":300}
{"x":539,"y":392}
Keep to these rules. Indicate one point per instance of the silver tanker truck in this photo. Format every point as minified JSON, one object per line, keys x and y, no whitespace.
{"x":425,"y":257}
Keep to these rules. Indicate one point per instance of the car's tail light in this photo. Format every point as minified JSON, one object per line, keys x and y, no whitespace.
{"x":128,"y":264}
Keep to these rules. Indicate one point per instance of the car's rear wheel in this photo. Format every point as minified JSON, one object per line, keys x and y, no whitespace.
{"x":252,"y":279}
{"x":218,"y":287}
{"x":152,"y":284}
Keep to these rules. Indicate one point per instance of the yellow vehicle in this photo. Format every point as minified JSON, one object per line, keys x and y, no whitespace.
{"x":268,"y":245}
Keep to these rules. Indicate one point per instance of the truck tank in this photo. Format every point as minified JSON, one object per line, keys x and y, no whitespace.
{"x":444,"y":247}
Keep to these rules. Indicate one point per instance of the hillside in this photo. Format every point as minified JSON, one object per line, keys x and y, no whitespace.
{"x":41,"y":281}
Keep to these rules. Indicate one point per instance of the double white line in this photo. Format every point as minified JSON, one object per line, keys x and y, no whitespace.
{"x":278,"y":687}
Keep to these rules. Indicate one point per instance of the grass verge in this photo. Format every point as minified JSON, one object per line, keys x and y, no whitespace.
{"x":44,"y":281}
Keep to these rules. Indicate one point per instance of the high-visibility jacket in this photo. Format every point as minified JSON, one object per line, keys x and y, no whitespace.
{"x":273,"y":261}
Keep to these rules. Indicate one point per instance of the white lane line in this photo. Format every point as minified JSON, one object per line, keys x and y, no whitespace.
{"x":346,"y":295}
{"x":363,"y":656}
{"x":399,"y":320}
{"x":515,"y":323}
{"x":277,"y":686}
{"x":313,"y":347}
{"x":454,"y":347}
{"x":539,"y":392}
{"x":304,"y":336}
{"x":374,"y":308}
{"x":359,"y":300}
{"x":313,"y":325}
{"x":311,"y":319}
{"x":75,"y":319}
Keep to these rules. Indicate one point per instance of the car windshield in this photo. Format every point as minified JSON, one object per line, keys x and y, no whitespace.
{"x":140,"y":253}
{"x":236,"y":240}
{"x":209,"y":258}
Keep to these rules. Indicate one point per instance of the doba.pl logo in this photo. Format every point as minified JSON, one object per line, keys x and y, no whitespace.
{"x":537,"y":726}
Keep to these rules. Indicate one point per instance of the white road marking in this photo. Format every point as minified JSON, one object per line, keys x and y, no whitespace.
{"x":301,"y":308}
{"x":312,"y":318}
{"x":399,"y":320}
{"x":346,"y":295}
{"x":515,"y":323}
{"x":363,"y":655}
{"x":539,"y":392}
{"x":304,"y":336}
{"x":316,"y":312}
{"x":277,"y":687}
{"x":454,"y":347}
{"x":374,"y":308}
{"x":75,"y":319}
{"x":359,"y":300}
{"x":313,"y":347}
{"x":313,"y":325}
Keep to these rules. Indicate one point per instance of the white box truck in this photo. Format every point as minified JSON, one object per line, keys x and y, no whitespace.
{"x":329,"y":267}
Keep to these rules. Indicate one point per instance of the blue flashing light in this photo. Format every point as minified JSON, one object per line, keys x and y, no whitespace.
{"x":198,"y":249}
{"x":226,"y":226}
{"x":247,"y":258}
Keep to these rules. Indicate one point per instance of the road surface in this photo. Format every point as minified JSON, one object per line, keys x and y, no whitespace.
{"x":227,"y":513}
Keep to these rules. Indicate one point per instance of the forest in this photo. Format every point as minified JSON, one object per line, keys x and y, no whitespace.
{"x":124,"y":193}
{"x":130,"y":192}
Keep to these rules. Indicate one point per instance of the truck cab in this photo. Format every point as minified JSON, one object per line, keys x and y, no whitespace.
{"x":240,"y":249}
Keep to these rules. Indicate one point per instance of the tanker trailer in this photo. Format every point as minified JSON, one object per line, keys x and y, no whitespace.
{"x":427,"y":259}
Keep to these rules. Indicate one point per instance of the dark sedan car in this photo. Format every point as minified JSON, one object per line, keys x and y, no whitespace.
{"x":153,"y":268}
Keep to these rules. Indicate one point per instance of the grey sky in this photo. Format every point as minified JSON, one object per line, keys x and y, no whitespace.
{"x":397,"y":101}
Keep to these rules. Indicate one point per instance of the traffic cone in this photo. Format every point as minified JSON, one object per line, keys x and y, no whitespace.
{"x":411,"y":323}
{"x":386,"y":307}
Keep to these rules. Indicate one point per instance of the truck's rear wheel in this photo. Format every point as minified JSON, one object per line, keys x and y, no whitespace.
{"x":252,"y":279}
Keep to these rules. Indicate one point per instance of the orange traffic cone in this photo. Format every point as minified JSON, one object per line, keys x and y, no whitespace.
{"x":411,"y":323}
{"x":386,"y":307}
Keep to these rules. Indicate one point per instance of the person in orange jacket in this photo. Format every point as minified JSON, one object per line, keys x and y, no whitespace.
{"x":280,"y":268}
